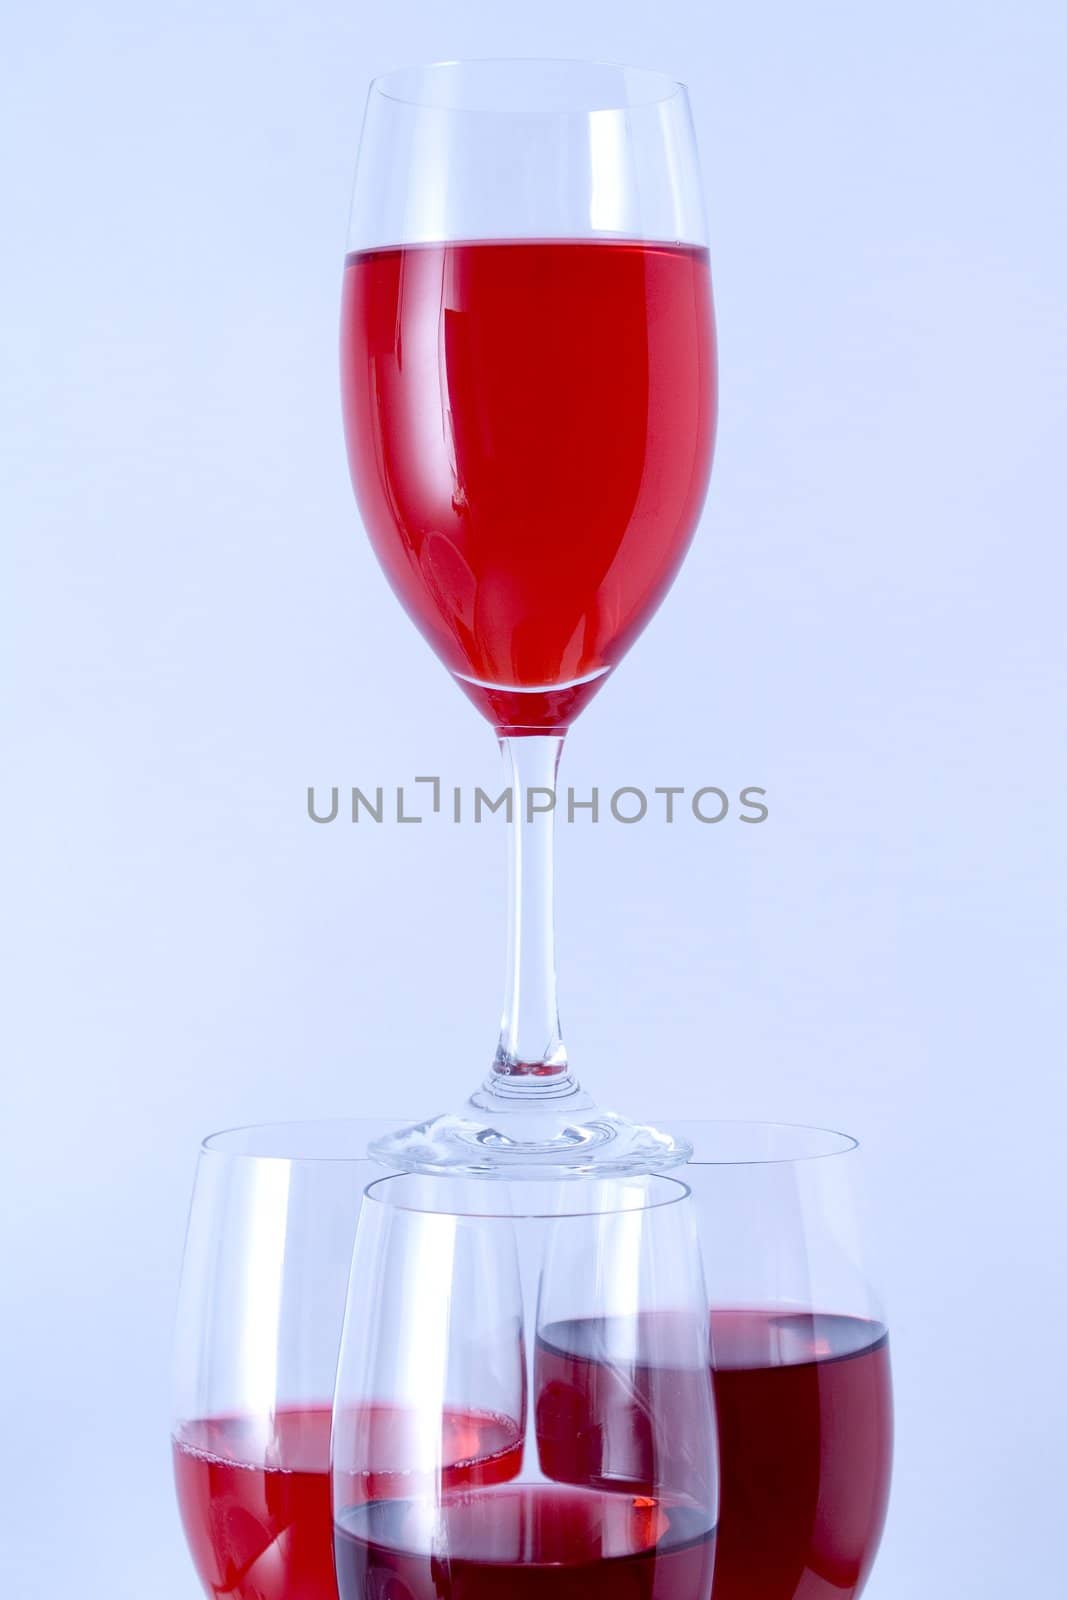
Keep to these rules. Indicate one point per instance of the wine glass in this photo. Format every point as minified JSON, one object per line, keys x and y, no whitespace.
{"x":800,"y":1355}
{"x":456,"y":1285}
{"x":262,"y":1300}
{"x":528,"y":379}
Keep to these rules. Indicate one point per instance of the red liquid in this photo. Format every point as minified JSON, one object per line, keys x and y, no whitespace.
{"x":530,"y":428}
{"x":255,"y":1497}
{"x":525,"y":1542}
{"x":805,"y":1441}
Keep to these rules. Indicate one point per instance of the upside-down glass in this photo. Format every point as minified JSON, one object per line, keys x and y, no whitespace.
{"x":528,"y":374}
{"x":518,"y":1481}
{"x":801,"y":1360}
{"x":262,"y":1300}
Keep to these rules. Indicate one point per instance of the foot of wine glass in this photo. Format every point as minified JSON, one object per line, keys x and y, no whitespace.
{"x":531,"y":1117}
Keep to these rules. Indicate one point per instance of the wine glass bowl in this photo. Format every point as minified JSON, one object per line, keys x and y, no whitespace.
{"x":455,"y":1329}
{"x":800,"y":1354}
{"x":262,"y":1299}
{"x":528,"y":366}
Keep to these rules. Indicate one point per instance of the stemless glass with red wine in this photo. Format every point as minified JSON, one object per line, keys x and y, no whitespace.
{"x":800,"y":1361}
{"x":459,"y":1268}
{"x":529,"y":388}
{"x":261,"y":1307}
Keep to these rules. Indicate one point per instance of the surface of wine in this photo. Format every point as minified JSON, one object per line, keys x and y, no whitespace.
{"x":525,"y":1542}
{"x":530,"y":428}
{"x":805,"y":1439}
{"x":255,"y":1499}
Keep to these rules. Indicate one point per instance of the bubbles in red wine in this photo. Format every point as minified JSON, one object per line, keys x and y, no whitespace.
{"x":255,"y":1496}
{"x":805,"y":1436}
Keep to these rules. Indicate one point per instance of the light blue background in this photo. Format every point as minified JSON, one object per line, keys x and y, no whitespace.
{"x":869,"y":626}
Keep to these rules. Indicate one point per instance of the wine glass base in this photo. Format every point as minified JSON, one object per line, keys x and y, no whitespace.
{"x":527,"y":1142}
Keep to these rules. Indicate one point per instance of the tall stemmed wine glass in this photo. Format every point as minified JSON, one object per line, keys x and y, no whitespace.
{"x":528,"y":369}
{"x":586,"y":1484}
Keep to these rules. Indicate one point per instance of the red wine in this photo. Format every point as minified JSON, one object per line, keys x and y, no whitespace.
{"x":805,"y":1440}
{"x":530,"y":427}
{"x":525,"y":1542}
{"x":255,"y":1500}
{"x":616,"y":1405}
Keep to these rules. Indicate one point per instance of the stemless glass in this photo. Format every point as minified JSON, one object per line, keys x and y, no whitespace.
{"x":528,"y":377}
{"x":800,"y":1357}
{"x":260,"y":1310}
{"x":498,"y":1497}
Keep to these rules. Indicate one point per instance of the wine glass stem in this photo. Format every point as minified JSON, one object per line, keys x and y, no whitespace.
{"x":530,"y":1058}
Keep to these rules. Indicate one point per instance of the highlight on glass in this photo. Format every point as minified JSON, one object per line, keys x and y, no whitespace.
{"x":529,"y":393}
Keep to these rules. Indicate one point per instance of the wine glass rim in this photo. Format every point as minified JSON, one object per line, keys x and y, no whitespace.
{"x":835,"y":1142}
{"x":345,"y":1139}
{"x":387,"y":84}
{"x":261,"y":1141}
{"x":674,"y":1190}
